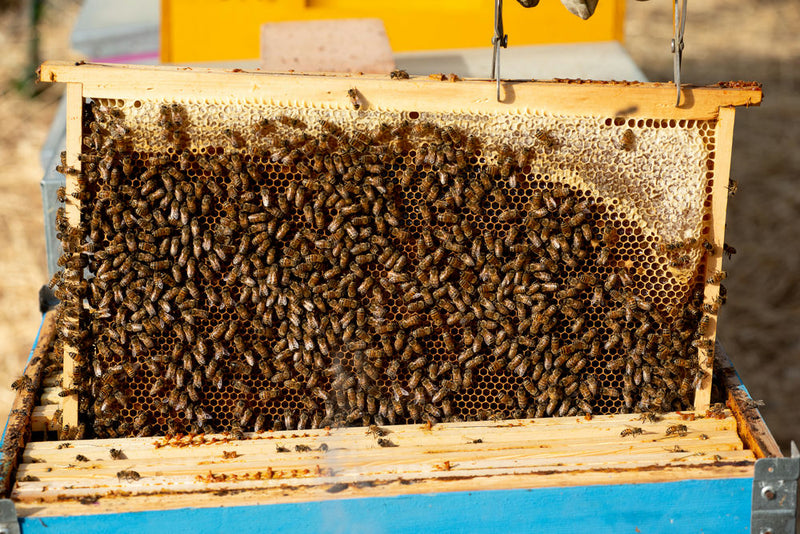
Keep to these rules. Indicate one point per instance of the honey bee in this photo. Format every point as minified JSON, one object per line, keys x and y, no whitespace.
{"x":25,"y":382}
{"x":703,"y":324}
{"x":680,"y":430}
{"x":733,"y":187}
{"x":128,"y":475}
{"x":681,"y":262}
{"x":717,"y":277}
{"x":728,"y":250}
{"x":627,"y":141}
{"x":545,"y":138}
{"x":355,"y":100}
{"x":631,"y":431}
{"x":604,"y":256}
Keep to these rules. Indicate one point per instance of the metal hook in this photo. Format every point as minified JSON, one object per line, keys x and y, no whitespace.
{"x":678,"y":27}
{"x":499,"y":39}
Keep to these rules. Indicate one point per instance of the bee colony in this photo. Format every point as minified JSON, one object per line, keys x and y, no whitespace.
{"x":239,"y":261}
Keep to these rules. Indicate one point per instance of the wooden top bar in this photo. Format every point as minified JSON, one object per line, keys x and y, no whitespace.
{"x":419,"y":93}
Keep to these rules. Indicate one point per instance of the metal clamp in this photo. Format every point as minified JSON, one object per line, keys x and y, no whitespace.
{"x":775,"y":494}
{"x":8,"y":517}
{"x":678,"y":27}
{"x":499,"y":39}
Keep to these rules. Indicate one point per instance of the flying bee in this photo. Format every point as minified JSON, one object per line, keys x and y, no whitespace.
{"x":728,"y":250}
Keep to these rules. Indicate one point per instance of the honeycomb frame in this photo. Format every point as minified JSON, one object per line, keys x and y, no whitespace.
{"x":547,"y":169}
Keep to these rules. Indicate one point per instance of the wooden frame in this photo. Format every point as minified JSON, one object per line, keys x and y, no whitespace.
{"x":18,"y":429}
{"x":615,"y":99}
{"x":529,"y":465}
{"x":607,"y":99}
{"x":532,"y":473}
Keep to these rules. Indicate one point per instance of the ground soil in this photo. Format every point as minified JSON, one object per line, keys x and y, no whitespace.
{"x":725,"y":40}
{"x":759,"y":327}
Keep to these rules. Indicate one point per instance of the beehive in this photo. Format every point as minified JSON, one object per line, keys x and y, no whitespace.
{"x":280,"y":252}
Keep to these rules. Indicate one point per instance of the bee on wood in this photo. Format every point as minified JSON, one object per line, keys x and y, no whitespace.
{"x":680,"y":430}
{"x":24,"y":382}
{"x":703,"y":324}
{"x":733,"y":187}
{"x":649,"y":417}
{"x":399,"y":74}
{"x":717,"y":277}
{"x":377,"y":431}
{"x":128,"y":475}
{"x":631,"y":431}
{"x":355,"y":100}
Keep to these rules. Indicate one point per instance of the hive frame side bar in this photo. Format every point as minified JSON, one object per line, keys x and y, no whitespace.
{"x":74,"y":141}
{"x":716,"y":236}
{"x":421,"y":93}
{"x":754,"y":432}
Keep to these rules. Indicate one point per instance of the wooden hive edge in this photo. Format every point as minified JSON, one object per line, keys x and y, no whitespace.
{"x":420,"y":93}
{"x":193,"y":471}
{"x":18,"y":427}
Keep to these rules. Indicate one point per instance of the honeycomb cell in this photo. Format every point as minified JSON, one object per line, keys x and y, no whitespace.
{"x":261,"y":311}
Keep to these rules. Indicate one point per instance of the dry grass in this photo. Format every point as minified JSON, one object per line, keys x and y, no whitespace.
{"x":25,"y":124}
{"x":725,"y":39}
{"x":749,"y":40}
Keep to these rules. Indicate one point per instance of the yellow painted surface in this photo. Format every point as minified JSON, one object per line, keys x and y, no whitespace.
{"x":214,"y":30}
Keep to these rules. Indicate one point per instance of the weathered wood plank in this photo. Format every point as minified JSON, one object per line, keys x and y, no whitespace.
{"x":74,"y":142}
{"x":655,"y":100}
{"x":446,"y":457}
{"x":45,"y":418}
{"x":18,"y":427}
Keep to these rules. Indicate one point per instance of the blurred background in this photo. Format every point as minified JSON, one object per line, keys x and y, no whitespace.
{"x":725,"y":40}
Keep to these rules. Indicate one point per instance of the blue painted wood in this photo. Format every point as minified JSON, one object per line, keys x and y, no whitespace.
{"x":719,"y":506}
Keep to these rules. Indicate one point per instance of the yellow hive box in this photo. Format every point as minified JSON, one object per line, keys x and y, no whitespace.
{"x":208,"y":30}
